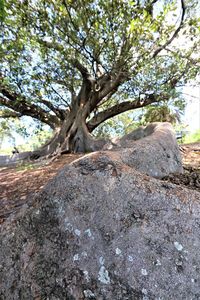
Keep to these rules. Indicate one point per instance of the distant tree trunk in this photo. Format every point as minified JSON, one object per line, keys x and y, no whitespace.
{"x":74,"y":133}
{"x":72,"y":136}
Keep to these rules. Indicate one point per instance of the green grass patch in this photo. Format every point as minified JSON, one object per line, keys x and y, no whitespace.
{"x":192,"y":138}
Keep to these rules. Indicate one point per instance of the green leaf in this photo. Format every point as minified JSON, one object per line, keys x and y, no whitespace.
{"x":2,"y":10}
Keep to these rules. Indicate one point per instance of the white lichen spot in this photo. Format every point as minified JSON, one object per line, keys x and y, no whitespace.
{"x":68,"y":226}
{"x":178,"y":246}
{"x":103,"y":275}
{"x":77,"y":232}
{"x":89,"y":294}
{"x":76,"y":257}
{"x":61,"y":211}
{"x":117,"y":216}
{"x":88,"y":232}
{"x":86,"y":275}
{"x":158,"y":263}
{"x":144,"y":272}
{"x":130,"y":258}
{"x":101,"y":260}
{"x":144,"y":291}
{"x":59,"y":281}
{"x":37,"y":212}
{"x":84,"y":254}
{"x":118,"y":251}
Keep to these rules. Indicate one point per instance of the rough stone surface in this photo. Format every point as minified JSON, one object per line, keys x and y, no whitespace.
{"x":102,"y":230}
{"x":152,"y":150}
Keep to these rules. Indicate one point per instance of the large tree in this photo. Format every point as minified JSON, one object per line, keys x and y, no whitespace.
{"x":73,"y":64}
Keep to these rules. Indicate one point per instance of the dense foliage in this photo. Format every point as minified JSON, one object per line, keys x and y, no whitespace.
{"x":75,"y":64}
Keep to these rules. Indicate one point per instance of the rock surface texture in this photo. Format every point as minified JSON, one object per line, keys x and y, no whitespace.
{"x":152,"y":150}
{"x":102,"y":230}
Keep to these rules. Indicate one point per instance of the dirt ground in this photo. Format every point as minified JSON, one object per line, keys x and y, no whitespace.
{"x":19,"y":185}
{"x":191,"y":163}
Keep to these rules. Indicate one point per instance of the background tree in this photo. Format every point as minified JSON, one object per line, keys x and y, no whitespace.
{"x":25,"y":138}
{"x":75,"y":64}
{"x":166,"y":111}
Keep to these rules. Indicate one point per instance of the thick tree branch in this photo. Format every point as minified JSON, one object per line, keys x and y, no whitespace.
{"x":107,"y":98}
{"x":9,"y":114}
{"x":120,"y":108}
{"x":58,"y":112}
{"x":51,"y":45}
{"x":88,"y":86}
{"x":13,"y":101}
{"x":157,"y":51}
{"x":107,"y":86}
{"x":82,"y":69}
{"x":154,"y":1}
{"x":112,"y":83}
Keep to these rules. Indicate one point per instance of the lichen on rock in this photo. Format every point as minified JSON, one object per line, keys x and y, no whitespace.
{"x":103,"y":230}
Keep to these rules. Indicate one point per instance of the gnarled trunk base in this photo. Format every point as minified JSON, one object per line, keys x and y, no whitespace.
{"x":72,"y":137}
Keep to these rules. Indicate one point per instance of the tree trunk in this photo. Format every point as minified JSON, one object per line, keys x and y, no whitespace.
{"x":72,"y":137}
{"x":71,"y":133}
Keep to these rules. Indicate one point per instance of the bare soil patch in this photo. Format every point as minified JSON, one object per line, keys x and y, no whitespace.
{"x":18,"y":185}
{"x":191,"y":164}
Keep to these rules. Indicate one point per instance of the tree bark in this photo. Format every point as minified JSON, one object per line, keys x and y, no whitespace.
{"x":72,"y":137}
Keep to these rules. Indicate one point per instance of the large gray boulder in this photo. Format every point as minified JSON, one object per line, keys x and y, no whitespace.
{"x":152,"y":150}
{"x":102,"y":230}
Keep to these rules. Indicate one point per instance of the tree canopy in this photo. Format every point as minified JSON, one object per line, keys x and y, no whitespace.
{"x":74,"y":64}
